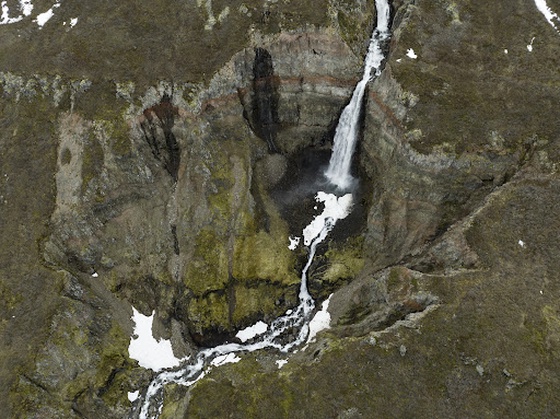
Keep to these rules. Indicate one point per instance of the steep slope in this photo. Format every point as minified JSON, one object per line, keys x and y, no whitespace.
{"x":164,"y":161}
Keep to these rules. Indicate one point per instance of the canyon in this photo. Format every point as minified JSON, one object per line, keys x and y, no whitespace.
{"x":164,"y":163}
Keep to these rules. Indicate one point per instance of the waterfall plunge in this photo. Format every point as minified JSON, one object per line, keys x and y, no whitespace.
{"x":347,"y":131}
{"x":338,"y":173}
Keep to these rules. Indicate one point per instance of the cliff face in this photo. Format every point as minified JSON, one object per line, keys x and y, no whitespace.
{"x":173,"y":181}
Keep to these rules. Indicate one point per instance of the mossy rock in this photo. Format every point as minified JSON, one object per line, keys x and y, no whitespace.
{"x":262,"y":300}
{"x":208,"y":313}
{"x":344,"y":260}
{"x":263,"y":257}
{"x":471,"y":91}
{"x":209,"y":268}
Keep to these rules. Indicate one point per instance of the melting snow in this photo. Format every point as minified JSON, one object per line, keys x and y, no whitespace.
{"x":294,"y":242}
{"x":411,"y":54}
{"x":321,"y":321}
{"x":548,"y":13}
{"x":25,"y":6}
{"x":281,"y":363}
{"x":250,"y":332}
{"x":133,"y":395}
{"x":45,"y":17}
{"x":335,"y":209}
{"x":149,"y":352}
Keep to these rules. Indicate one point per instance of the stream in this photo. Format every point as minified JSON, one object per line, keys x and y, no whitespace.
{"x":336,"y":207}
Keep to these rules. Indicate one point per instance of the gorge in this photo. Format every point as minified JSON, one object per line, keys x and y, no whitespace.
{"x":338,"y":174}
{"x":164,"y":168}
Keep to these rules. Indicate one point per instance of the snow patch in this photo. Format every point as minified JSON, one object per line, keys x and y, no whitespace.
{"x":281,"y":363}
{"x":321,"y":321}
{"x":530,"y":46}
{"x":250,"y":332}
{"x":335,"y":209}
{"x":149,"y":352}
{"x":294,"y":242}
{"x":411,"y":54}
{"x":25,"y":7}
{"x":550,"y":16}
{"x":133,"y":395}
{"x":45,"y":17}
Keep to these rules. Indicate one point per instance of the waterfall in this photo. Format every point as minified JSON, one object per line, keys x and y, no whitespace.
{"x":297,"y":318}
{"x":347,"y":131}
{"x":335,"y":208}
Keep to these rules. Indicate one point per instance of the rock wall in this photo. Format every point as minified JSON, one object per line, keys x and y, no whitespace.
{"x":173,"y":181}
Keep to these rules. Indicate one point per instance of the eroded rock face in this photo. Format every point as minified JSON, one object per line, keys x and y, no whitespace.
{"x":457,"y":192}
{"x":173,"y":196}
{"x":163,"y":201}
{"x":301,"y":82}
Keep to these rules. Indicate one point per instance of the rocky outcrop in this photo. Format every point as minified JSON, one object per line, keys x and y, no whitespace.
{"x":180,"y":196}
{"x":462,"y":319}
{"x":300,"y":85}
{"x":164,"y":201}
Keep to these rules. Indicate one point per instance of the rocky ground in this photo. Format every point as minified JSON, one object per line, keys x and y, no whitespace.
{"x":159,"y":155}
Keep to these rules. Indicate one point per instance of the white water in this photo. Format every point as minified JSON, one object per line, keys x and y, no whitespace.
{"x":347,"y":131}
{"x":277,"y":334}
{"x":293,"y":319}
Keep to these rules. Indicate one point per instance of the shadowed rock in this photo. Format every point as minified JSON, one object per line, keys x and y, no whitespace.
{"x":157,"y":128}
{"x":265,"y":104}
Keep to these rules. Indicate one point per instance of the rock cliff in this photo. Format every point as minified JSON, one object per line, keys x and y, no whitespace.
{"x":162,"y":163}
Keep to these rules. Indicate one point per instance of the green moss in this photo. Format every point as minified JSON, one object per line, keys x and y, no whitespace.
{"x":258,"y":253}
{"x":66,"y":157}
{"x":208,"y":269}
{"x":175,"y":401}
{"x":8,"y":299}
{"x":344,"y":261}
{"x":209,"y":312}
{"x":116,"y":128}
{"x":552,"y":319}
{"x":259,"y":300}
{"x":263,"y":256}
{"x":225,"y":180}
{"x":355,"y":23}
{"x":393,"y":279}
{"x":112,"y":373}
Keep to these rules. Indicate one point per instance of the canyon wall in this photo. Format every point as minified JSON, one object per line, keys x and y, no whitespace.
{"x":164,"y":162}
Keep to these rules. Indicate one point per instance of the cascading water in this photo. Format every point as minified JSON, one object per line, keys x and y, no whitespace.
{"x":347,"y":131}
{"x":336,"y":208}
